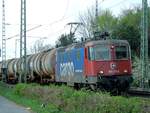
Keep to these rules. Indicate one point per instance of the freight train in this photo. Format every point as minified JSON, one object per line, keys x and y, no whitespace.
{"x":100,"y":63}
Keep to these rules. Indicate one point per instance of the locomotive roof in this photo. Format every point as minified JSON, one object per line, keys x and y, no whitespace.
{"x":70,"y":47}
{"x":91,"y":43}
{"x":120,"y":42}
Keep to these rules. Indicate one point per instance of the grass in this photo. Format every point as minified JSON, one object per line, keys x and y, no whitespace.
{"x":62,"y":99}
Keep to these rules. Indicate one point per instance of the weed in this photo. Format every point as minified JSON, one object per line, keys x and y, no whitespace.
{"x":62,"y":99}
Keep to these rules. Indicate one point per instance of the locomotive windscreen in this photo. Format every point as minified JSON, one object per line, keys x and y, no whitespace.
{"x":99,"y":52}
{"x":121,"y":52}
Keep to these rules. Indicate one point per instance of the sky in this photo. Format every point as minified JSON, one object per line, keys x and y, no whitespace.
{"x":50,"y":17}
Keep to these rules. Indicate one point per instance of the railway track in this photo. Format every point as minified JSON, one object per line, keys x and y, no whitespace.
{"x":140,"y":92}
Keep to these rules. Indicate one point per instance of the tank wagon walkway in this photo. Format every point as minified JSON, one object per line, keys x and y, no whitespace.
{"x":7,"y":106}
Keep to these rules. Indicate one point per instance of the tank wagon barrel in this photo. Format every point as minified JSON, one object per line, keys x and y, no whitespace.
{"x":40,"y":65}
{"x":48,"y":62}
{"x":10,"y":66}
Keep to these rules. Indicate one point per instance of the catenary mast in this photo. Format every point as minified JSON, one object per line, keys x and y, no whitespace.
{"x":4,"y":69}
{"x":144,"y":46}
{"x":23,"y":71}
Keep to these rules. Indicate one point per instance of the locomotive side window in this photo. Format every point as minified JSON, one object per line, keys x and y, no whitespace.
{"x":91,"y":53}
{"x":121,"y":52}
{"x":99,"y":52}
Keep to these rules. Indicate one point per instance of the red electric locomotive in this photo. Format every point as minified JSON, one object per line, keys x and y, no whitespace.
{"x":108,"y":64}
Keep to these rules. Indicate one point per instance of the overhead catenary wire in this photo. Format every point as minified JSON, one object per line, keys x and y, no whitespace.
{"x":43,"y":25}
{"x":114,"y":5}
{"x":26,"y":31}
{"x":62,"y":18}
{"x":67,"y":7}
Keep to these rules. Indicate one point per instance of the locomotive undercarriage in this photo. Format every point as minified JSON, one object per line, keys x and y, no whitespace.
{"x":114,"y":84}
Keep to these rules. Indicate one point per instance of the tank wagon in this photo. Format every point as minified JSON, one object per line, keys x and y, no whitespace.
{"x":105,"y":63}
{"x":40,"y":67}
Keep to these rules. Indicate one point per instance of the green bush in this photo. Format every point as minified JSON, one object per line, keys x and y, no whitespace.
{"x":63,"y":99}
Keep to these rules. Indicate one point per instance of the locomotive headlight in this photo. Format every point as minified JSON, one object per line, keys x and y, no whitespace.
{"x":101,"y":72}
{"x":125,"y":71}
{"x":112,"y":47}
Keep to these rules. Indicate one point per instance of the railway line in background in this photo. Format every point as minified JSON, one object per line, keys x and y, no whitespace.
{"x":140,"y":92}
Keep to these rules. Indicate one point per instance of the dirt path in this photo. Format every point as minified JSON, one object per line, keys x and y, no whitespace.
{"x":7,"y":106}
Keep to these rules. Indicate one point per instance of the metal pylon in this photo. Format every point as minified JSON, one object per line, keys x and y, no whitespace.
{"x":4,"y":68}
{"x":96,"y":16}
{"x":144,"y":46}
{"x":23,"y":71}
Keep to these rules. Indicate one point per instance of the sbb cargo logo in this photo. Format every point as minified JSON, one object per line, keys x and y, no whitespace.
{"x":67,"y":69}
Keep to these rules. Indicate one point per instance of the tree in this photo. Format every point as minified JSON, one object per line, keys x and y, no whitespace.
{"x":38,"y":46}
{"x":88,"y":20}
{"x":65,"y":40}
{"x":106,"y":22}
{"x":128,"y":28}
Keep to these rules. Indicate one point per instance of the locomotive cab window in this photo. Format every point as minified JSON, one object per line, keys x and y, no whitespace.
{"x":91,"y":53}
{"x":121,"y":52}
{"x":99,"y":52}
